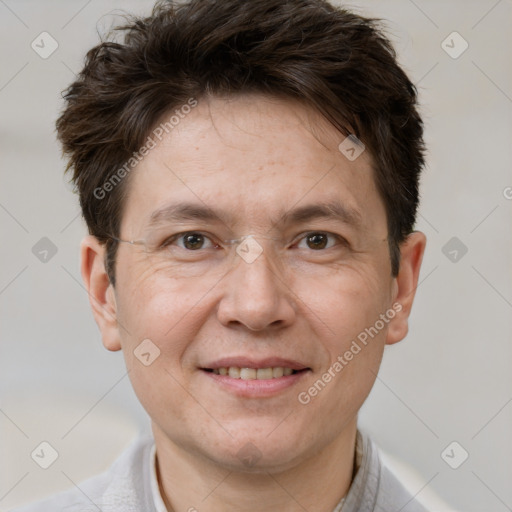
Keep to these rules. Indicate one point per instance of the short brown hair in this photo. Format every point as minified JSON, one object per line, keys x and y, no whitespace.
{"x":336,"y":61}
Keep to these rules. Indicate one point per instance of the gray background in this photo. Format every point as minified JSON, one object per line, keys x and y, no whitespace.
{"x":449,"y":381}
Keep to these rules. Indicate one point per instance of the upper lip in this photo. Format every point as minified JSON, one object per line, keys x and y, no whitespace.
{"x":249,"y":362}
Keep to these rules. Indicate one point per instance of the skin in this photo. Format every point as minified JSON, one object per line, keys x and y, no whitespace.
{"x":254,"y":156}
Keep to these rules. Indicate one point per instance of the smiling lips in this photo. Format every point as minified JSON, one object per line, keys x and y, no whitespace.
{"x":248,"y":378}
{"x":254,"y":373}
{"x":247,"y":369}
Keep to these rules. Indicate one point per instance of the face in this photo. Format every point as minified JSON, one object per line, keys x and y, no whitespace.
{"x":321,"y":276}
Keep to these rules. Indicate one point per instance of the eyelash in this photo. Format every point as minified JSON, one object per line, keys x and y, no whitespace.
{"x":342,"y":241}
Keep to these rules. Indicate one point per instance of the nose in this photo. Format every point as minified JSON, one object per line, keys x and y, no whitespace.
{"x":256,"y":295}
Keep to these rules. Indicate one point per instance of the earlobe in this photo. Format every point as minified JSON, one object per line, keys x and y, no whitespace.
{"x":100,"y":290}
{"x":405,"y":283}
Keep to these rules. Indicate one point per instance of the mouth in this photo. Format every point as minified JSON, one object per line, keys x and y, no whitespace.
{"x":248,"y":378}
{"x":247,"y":373}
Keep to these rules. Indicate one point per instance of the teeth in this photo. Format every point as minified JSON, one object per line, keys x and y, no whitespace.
{"x":278,"y":372}
{"x":264,"y":373}
{"x":234,"y":372}
{"x":247,"y":373}
{"x":254,"y":374}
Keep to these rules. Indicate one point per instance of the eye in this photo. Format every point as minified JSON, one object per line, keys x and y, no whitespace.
{"x":190,"y":240}
{"x":319,"y":240}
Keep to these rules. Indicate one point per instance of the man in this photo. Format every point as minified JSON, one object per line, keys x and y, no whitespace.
{"x":248,"y":172}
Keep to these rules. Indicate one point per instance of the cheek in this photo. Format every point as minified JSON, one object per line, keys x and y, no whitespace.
{"x":350,"y":300}
{"x":160,"y":310}
{"x":355,"y":352}
{"x":352,"y":309}
{"x":160,"y":324}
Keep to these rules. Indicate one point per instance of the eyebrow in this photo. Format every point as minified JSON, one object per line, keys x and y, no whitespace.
{"x":331,"y":210}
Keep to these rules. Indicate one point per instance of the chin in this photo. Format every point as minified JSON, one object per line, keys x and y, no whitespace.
{"x":250,"y":459}
{"x":262,"y":452}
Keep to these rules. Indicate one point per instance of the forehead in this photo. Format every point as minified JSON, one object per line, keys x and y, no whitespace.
{"x":257,"y":159}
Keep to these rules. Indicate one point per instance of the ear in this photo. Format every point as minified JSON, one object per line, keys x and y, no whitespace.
{"x":100,"y":290}
{"x":405,"y":283}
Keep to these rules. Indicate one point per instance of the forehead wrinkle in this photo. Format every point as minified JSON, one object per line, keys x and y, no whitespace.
{"x":180,"y":212}
{"x":324,"y":210}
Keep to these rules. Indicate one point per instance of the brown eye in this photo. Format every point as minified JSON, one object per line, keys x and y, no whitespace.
{"x":317,"y":240}
{"x":193,"y":241}
{"x":190,"y":241}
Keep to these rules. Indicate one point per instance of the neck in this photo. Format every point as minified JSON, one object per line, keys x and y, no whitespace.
{"x":191,"y":483}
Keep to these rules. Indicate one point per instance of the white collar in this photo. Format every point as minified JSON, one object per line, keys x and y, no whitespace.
{"x":155,"y":491}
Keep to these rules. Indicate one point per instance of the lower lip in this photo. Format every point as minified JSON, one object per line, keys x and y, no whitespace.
{"x":254,"y":387}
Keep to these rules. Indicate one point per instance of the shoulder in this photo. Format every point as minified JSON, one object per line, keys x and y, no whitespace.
{"x":118,"y":488}
{"x":82,"y":499}
{"x":375,"y":488}
{"x":392,"y":495}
